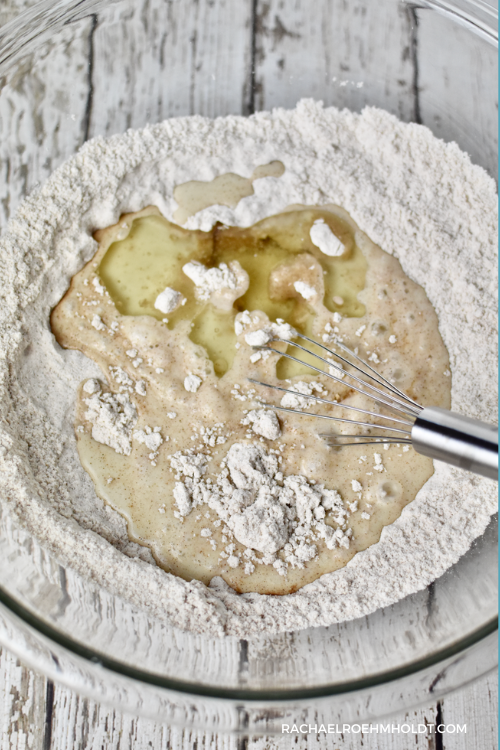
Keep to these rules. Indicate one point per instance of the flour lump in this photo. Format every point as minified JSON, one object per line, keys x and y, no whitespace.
{"x":443,"y":244}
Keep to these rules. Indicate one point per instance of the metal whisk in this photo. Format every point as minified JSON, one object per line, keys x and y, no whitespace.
{"x":438,"y":433}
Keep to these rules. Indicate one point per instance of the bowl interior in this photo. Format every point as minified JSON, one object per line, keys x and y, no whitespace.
{"x":75,"y":70}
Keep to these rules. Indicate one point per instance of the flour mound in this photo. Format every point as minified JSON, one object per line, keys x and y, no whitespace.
{"x":263,"y":423}
{"x":221,"y":285}
{"x":413,"y":194}
{"x":262,"y":527}
{"x":265,"y":511}
{"x":323,"y":237}
{"x":263,"y":336}
{"x":168,"y":300}
{"x":300,"y":391}
{"x":112,"y":416}
{"x":305,"y":290}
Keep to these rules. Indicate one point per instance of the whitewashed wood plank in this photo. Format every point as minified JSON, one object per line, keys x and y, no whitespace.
{"x":477,"y":707}
{"x":457,"y":77}
{"x":360,"y":741}
{"x":42,"y":118}
{"x":83,"y":725}
{"x":9,"y":9}
{"x":342,"y":44}
{"x":22,"y":705}
{"x":153,"y":61}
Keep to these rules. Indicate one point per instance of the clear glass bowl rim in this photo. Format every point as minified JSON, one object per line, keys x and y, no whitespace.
{"x":482,"y":19}
{"x":276,"y":695}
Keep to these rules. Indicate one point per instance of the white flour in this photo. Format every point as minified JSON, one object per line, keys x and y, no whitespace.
{"x":305,"y":290}
{"x":208,"y":280}
{"x":112,"y":417}
{"x":300,"y":401}
{"x":222,"y":285}
{"x":265,"y":512}
{"x":168,"y":300}
{"x":323,"y":237}
{"x":263,"y":423}
{"x":417,"y":197}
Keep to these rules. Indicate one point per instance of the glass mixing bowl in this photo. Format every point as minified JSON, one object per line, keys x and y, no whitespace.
{"x":74,"y":69}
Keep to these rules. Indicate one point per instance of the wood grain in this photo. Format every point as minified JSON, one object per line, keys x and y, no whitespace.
{"x":478,"y":708}
{"x":456,"y":78}
{"x":22,"y":705}
{"x":337,"y":60}
{"x":9,"y":9}
{"x":42,"y":120}
{"x":75,"y":723}
{"x":176,"y":59}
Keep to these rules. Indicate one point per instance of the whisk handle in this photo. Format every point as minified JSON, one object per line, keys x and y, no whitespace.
{"x":457,"y":440}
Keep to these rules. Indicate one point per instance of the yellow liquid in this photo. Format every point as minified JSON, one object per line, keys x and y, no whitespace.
{"x":136,"y":269}
{"x":225,"y":190}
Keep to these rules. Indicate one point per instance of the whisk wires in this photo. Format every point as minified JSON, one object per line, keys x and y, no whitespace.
{"x":371,"y":384}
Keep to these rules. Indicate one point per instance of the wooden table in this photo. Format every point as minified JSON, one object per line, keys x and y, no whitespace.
{"x":35,"y":713}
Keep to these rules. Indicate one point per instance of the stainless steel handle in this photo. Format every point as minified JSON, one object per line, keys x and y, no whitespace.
{"x":457,"y":440}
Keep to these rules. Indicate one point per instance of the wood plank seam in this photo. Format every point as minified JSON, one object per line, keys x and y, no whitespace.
{"x":250,"y":107}
{"x":90,"y":79}
{"x":413,"y":47}
{"x":438,"y":737}
{"x":49,"y":710}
